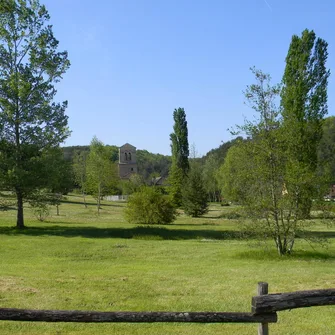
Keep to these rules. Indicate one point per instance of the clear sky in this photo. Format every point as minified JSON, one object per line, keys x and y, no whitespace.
{"x":135,"y":61}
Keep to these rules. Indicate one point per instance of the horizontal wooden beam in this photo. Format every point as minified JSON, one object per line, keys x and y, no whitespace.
{"x":87,"y":316}
{"x":281,"y":301}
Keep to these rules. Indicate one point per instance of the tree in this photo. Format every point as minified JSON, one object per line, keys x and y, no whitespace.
{"x":60,"y":176}
{"x":80,"y":171}
{"x":263,"y":174}
{"x":150,"y":206}
{"x":304,"y":106}
{"x":253,"y":170}
{"x":180,"y":153}
{"x":326,"y":151}
{"x":101,"y":172}
{"x":209,"y":175}
{"x":132,"y":185}
{"x":30,"y":121}
{"x":194,"y":195}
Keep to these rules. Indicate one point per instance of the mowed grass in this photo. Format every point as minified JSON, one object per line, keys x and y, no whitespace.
{"x":81,"y":261}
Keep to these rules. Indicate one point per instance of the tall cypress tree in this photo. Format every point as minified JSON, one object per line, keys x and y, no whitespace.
{"x":180,"y":153}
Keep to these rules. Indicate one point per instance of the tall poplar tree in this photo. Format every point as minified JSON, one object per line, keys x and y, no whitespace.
{"x":180,"y":153}
{"x":30,"y":120}
{"x":304,"y":106}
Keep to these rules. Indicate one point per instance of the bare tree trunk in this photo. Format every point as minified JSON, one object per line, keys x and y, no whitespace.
{"x":99,"y":198}
{"x":20,"y":220}
{"x":83,"y":190}
{"x":279,"y":245}
{"x":84,"y":199}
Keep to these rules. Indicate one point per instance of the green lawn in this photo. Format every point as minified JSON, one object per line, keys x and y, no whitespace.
{"x":81,"y":261}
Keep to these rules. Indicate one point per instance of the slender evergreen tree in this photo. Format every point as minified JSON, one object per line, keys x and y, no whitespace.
{"x":180,"y":153}
{"x":194,"y":195}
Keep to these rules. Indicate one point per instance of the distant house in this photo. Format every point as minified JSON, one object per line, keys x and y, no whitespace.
{"x":127,"y":161}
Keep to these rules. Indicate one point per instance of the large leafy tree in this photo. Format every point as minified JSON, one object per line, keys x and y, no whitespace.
{"x":30,"y":121}
{"x":180,"y":153}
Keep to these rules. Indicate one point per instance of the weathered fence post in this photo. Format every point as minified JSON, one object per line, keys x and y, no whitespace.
{"x":262,"y":289}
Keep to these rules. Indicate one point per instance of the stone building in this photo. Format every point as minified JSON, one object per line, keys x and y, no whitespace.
{"x":127,"y":161}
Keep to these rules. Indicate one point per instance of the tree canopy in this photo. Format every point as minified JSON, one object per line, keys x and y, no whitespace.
{"x":31,"y":121}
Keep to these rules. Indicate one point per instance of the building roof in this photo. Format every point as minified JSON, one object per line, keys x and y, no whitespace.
{"x":127,"y":145}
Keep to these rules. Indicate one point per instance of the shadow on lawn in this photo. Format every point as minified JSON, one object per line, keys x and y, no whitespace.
{"x":90,"y":204}
{"x":306,"y":255}
{"x":145,"y":232}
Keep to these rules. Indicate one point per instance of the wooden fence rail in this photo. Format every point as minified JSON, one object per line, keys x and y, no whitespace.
{"x":263,"y":311}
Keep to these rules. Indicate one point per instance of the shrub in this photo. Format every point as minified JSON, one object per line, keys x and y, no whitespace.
{"x":149,"y":206}
{"x":41,"y":211}
{"x":40,"y":202}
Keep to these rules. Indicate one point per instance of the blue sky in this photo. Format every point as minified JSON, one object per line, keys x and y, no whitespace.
{"x":135,"y":61}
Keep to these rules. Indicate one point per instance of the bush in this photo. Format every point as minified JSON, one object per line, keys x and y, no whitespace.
{"x":41,"y":211}
{"x":40,"y":202}
{"x":149,"y":206}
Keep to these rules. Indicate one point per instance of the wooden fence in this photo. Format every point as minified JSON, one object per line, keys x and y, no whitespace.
{"x":263,"y":311}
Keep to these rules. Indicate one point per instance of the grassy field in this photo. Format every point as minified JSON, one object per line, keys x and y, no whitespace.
{"x":81,"y":261}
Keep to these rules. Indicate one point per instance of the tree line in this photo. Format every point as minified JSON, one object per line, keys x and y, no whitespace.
{"x":278,"y":167}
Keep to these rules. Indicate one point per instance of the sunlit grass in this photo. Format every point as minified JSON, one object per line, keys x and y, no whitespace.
{"x":83,"y":261}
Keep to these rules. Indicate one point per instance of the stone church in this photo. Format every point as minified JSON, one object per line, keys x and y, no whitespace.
{"x":127,"y":161}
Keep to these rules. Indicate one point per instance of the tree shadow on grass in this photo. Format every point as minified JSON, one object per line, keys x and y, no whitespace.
{"x":90,"y":204}
{"x":306,"y":255}
{"x":145,"y":232}
{"x":319,"y":234}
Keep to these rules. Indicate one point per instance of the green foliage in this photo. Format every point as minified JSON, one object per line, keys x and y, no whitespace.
{"x":179,"y":140}
{"x":6,"y":201}
{"x":80,"y":171}
{"x":132,"y":185}
{"x":219,"y":154}
{"x":41,"y":211}
{"x":71,"y":151}
{"x":31,"y":122}
{"x":175,"y":181}
{"x":274,"y":173}
{"x":304,"y":106}
{"x":150,"y":206}
{"x":150,"y":164}
{"x":254,"y":171}
{"x":194,"y":195}
{"x":180,"y":153}
{"x":40,"y":202}
{"x":147,"y":162}
{"x":326,"y":150}
{"x":102,"y":176}
{"x":59,"y":172}
{"x":210,"y":180}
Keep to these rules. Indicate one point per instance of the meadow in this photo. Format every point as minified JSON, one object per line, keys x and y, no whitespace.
{"x":81,"y":261}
